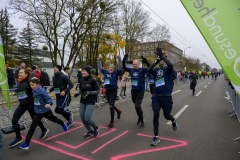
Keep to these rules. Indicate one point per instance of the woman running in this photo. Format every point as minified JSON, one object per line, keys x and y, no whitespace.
{"x":25,"y":98}
{"x":88,"y":88}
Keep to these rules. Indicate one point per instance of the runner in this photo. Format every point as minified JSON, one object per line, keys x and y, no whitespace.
{"x":200,"y":74}
{"x":110,"y":82}
{"x":25,"y":98}
{"x":42,"y":104}
{"x":193,"y":83}
{"x":204,"y":74}
{"x":66,"y":71}
{"x":138,"y":85}
{"x":62,"y":86}
{"x":162,"y":97}
{"x":89,"y":90}
{"x":216,"y":74}
{"x":208,"y":73}
{"x":212,"y":73}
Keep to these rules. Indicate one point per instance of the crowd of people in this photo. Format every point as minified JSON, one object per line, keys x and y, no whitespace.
{"x":33,"y":97}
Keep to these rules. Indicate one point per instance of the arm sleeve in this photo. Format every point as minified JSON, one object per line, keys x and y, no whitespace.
{"x":147,"y":63}
{"x":95,"y":88}
{"x":70,"y":84}
{"x":100,"y":64}
{"x":151,"y":69}
{"x":169,"y":64}
{"x":120,"y":67}
{"x":47,"y":98}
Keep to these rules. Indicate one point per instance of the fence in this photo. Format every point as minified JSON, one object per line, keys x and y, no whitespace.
{"x":6,"y":114}
{"x":233,"y":98}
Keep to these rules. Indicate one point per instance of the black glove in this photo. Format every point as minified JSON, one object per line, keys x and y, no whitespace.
{"x":159,"y":52}
{"x":75,"y":95}
{"x":144,"y":60}
{"x":125,"y":57}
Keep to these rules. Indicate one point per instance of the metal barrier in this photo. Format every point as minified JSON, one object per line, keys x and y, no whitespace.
{"x":233,"y":97}
{"x":6,"y":114}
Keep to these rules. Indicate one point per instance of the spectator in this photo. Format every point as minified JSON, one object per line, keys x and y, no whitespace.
{"x":44,"y":79}
{"x":10,"y":76}
{"x":33,"y":71}
{"x":38,"y":72}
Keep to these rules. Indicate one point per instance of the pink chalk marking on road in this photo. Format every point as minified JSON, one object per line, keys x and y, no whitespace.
{"x":66,"y":131}
{"x":109,"y":142}
{"x":59,"y":150}
{"x":151,"y":150}
{"x":75,"y":147}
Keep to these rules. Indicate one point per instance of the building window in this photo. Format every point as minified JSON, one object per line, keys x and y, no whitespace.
{"x":143,"y":46}
{"x":146,"y":45}
{"x":135,"y":54}
{"x":143,"y":53}
{"x":152,"y":53}
{"x":156,"y":44}
{"x":147,"y":53}
{"x":138,"y":53}
{"x":139,"y":47}
{"x":152,"y":45}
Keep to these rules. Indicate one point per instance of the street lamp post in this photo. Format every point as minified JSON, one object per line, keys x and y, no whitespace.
{"x":184,"y":55}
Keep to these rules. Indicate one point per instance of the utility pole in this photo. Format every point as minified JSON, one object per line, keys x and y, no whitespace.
{"x":184,"y":55}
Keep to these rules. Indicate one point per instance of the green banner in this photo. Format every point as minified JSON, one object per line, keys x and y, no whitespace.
{"x":3,"y":76}
{"x":219,"y":22}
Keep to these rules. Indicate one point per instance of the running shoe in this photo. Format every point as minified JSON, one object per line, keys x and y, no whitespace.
{"x":139,"y":121}
{"x":155,"y":141}
{"x":89,"y":134}
{"x":70,"y":121}
{"x":44,"y":133}
{"x":64,"y":126}
{"x":174,"y":124}
{"x":24,"y":146}
{"x":142,"y":122}
{"x":96,"y":132}
{"x":111,"y":125}
{"x":15,"y":142}
{"x":119,"y":114}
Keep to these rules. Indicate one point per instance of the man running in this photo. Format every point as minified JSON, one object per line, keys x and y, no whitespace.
{"x":138,"y":85}
{"x":193,"y":83}
{"x":62,"y":86}
{"x":200,"y":74}
{"x":212,"y":75}
{"x":204,"y":74}
{"x":110,"y":82}
{"x":162,"y":96}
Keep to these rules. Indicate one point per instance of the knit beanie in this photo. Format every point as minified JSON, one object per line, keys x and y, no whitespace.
{"x":88,"y":69}
{"x":34,"y":68}
{"x":59,"y":67}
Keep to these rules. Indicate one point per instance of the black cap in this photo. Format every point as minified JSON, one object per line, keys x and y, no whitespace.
{"x":59,"y":67}
{"x":34,"y":67}
{"x":88,"y":69}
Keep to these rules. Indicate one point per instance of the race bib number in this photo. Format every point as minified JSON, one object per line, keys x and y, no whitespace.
{"x":22,"y":95}
{"x":151,"y":81}
{"x":134,"y":82}
{"x":57,"y":90}
{"x":36,"y":102}
{"x":160,"y":82}
{"x":106,"y":81}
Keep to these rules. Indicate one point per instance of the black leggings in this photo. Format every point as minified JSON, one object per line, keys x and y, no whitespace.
{"x":22,"y":108}
{"x":137,"y":97}
{"x":37,"y":119}
{"x":111,"y":95}
{"x":156,"y":112}
{"x":62,"y":112}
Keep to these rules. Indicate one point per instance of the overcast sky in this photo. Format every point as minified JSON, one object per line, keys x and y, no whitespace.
{"x":173,"y":13}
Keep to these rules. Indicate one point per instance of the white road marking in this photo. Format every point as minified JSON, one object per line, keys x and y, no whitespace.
{"x":176,"y":92}
{"x":205,"y":86}
{"x":178,"y":114}
{"x":208,"y":82}
{"x":199,"y":93}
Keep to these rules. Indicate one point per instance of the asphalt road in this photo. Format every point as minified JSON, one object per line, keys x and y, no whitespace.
{"x":204,"y":132}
